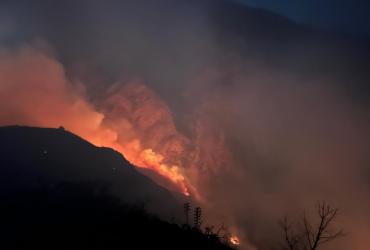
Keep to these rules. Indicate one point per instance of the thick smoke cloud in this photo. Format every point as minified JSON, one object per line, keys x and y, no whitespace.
{"x":262,"y":116}
{"x":34,"y":90}
{"x":291,"y":147}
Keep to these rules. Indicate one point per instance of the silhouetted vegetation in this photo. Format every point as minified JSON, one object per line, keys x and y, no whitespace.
{"x":197,"y":218}
{"x":307,"y":236}
{"x":222,"y":235}
{"x":60,"y":192}
{"x":83,"y":216}
{"x":187,"y":211}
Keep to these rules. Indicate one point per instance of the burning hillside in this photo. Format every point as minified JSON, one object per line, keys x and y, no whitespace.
{"x":146,"y":131}
{"x":132,"y":119}
{"x":251,"y":114}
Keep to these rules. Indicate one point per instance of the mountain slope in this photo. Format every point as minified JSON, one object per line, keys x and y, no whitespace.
{"x":58,"y":191}
{"x":35,"y":157}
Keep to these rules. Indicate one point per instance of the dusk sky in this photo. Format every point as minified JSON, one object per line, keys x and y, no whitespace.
{"x":344,"y":15}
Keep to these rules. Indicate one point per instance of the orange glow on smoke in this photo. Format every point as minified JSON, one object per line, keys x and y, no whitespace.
{"x":35,"y":91}
{"x":149,"y":159}
{"x":147,"y":135}
{"x":131,"y":118}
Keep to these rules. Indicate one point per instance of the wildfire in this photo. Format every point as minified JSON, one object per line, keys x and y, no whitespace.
{"x":132,"y":119}
{"x":147,"y":135}
{"x":235,"y":240}
{"x":150,"y":159}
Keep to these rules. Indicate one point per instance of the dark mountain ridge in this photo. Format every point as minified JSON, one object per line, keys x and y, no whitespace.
{"x":58,"y":191}
{"x":35,"y":157}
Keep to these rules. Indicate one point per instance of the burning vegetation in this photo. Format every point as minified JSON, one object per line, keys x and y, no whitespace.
{"x":146,"y":131}
{"x":222,"y":234}
{"x":132,"y":119}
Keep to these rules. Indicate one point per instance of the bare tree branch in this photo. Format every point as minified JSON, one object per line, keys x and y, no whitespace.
{"x":311,"y":237}
{"x":291,"y":239}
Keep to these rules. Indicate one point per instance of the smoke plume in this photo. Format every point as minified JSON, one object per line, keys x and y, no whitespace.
{"x":251,"y":114}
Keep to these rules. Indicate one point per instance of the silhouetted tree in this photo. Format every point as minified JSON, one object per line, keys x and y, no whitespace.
{"x":221,"y":229}
{"x":187,"y":212}
{"x":312,"y":236}
{"x":322,"y":233}
{"x":291,"y":239}
{"x":209,"y":230}
{"x":197,"y":218}
{"x":223,"y":234}
{"x":79,"y":216}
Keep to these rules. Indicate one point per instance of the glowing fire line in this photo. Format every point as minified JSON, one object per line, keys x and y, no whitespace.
{"x":149,"y":159}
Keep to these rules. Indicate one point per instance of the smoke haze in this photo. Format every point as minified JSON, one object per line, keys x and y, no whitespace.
{"x":254,"y":115}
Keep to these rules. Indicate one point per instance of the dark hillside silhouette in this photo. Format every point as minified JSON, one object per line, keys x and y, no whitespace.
{"x":81,"y":216}
{"x":35,"y":157}
{"x":57,"y":191}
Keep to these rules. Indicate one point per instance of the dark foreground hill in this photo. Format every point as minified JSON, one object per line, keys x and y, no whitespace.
{"x":74,"y":216}
{"x":61,"y":192}
{"x":31,"y":158}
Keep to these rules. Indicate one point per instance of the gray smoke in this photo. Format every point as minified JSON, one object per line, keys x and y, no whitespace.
{"x":279,"y":111}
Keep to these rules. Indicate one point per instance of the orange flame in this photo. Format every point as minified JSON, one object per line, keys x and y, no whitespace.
{"x":35,"y":91}
{"x":235,"y":240}
{"x":147,"y":135}
{"x":150,"y":159}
